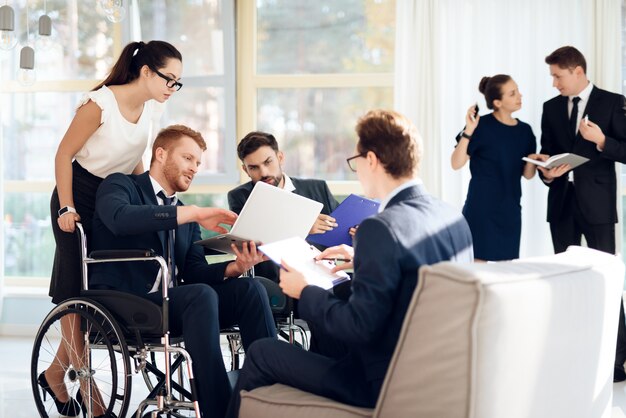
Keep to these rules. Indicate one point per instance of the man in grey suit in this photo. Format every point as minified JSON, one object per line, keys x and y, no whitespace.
{"x":412,"y":229}
{"x":262,"y":161}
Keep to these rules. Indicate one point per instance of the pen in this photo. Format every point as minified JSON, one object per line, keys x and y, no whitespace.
{"x":586,"y":119}
{"x":345,"y":260}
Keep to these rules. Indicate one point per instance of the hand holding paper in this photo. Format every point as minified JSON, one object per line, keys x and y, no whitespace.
{"x":292,"y":282}
{"x":296,"y":255}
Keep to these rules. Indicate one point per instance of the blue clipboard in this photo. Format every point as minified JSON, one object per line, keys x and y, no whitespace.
{"x":349,"y":213}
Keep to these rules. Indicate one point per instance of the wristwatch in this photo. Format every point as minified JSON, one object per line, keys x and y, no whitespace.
{"x":66,"y":209}
{"x":464,"y":135}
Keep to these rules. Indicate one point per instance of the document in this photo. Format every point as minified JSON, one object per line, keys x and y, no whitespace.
{"x":351,"y":212}
{"x":301,"y":255}
{"x":556,"y":160}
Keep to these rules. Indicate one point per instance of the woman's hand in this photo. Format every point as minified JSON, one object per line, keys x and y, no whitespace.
{"x":471,"y":120}
{"x":67,"y":221}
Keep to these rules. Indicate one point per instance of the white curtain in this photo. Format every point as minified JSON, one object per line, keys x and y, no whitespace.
{"x":444,"y":48}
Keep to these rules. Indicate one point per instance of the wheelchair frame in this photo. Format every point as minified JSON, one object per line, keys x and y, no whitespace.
{"x":100,"y":330}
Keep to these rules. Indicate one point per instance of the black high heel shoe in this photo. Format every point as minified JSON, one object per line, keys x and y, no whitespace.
{"x":71,"y":408}
{"x":79,"y":398}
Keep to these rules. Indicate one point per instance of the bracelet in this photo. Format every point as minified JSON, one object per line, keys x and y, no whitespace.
{"x":66,"y":209}
{"x":464,"y":135}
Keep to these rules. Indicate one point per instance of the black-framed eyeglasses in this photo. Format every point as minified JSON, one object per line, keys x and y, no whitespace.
{"x":350,"y":160}
{"x":171,"y":83}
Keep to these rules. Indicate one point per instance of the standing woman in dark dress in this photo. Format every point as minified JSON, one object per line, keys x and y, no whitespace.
{"x":108,"y":134}
{"x":495,"y":144}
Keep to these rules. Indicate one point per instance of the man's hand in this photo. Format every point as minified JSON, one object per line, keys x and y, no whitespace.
{"x":211,"y":218}
{"x":554,"y":172}
{"x":246,"y":258}
{"x":67,"y":222}
{"x":339,"y":252}
{"x":322,"y":224}
{"x":291,"y":281}
{"x":592,"y":133}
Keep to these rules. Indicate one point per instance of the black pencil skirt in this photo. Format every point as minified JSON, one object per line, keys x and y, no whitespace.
{"x":66,"y":280}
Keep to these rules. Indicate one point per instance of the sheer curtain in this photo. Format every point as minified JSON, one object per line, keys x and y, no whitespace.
{"x":444,"y":47}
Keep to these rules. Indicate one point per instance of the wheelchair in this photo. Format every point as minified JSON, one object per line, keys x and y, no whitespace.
{"x":120,"y":335}
{"x":282,"y":311}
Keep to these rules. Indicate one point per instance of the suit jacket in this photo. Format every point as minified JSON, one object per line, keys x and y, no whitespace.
{"x":595,"y":181}
{"x":127,"y":216}
{"x":415,"y":229}
{"x":310,"y":188}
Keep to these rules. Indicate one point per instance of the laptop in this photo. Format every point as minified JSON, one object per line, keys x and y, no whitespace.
{"x":270,"y":214}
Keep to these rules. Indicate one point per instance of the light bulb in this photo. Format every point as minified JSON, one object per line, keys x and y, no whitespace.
{"x":26,"y":77}
{"x":110,"y":5}
{"x":116,"y":15}
{"x":8,"y":39}
{"x":44,"y":43}
{"x":44,"y":37}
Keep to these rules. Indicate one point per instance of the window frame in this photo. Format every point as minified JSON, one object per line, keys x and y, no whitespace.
{"x":241,"y":84}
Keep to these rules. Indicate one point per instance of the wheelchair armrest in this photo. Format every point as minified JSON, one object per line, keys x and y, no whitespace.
{"x":121,"y":254}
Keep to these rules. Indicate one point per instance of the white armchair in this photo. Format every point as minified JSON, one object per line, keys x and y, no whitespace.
{"x":531,"y":338}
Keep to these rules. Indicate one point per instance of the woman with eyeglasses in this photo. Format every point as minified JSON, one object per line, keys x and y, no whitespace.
{"x":108,"y":134}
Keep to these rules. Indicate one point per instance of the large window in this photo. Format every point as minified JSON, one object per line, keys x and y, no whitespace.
{"x":84,"y":46}
{"x":314,"y":68}
{"x":305,"y":71}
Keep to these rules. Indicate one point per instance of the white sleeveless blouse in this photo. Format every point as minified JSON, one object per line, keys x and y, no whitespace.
{"x":117,"y":145}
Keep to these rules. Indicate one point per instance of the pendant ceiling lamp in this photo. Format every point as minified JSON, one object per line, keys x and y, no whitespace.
{"x":8,"y":38}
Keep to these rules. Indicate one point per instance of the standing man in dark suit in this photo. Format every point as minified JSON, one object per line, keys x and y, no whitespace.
{"x":412,"y":229}
{"x":590,"y":122}
{"x":133,"y":212}
{"x":262,"y":161}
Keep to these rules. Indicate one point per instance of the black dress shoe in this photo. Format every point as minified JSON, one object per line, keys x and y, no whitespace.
{"x":619,"y":375}
{"x":71,"y":408}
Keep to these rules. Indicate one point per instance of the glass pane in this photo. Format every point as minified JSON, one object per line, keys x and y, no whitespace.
{"x":194,"y":27}
{"x":32,"y":127}
{"x":326,"y":36}
{"x":217,"y":200}
{"x":79,"y":48}
{"x":201,"y":109}
{"x":28,"y":240}
{"x":315,"y":127}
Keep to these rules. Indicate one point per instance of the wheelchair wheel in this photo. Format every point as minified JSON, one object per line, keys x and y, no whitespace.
{"x":104,"y":359}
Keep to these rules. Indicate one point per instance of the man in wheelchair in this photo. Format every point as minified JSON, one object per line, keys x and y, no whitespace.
{"x":143,"y":212}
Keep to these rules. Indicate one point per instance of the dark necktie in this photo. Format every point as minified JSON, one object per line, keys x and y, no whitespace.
{"x":574,"y":116}
{"x":171,"y":263}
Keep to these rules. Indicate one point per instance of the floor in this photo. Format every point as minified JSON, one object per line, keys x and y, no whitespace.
{"x":16,"y":399}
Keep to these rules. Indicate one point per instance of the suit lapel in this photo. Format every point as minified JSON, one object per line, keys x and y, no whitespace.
{"x":589,"y":111}
{"x":149,"y":198}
